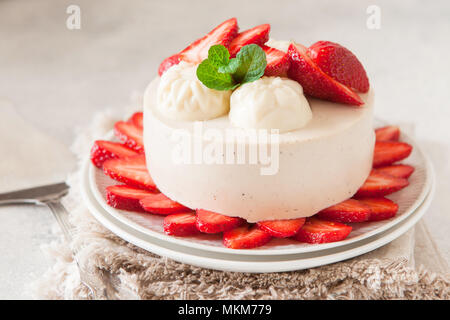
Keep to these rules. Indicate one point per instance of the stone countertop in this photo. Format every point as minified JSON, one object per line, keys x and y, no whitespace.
{"x":58,"y":78}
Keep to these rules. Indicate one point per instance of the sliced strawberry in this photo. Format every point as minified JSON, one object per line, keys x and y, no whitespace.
{"x":282,"y":228}
{"x":380,"y":184}
{"x":316,"y":230}
{"x":103,"y":150}
{"x":158,"y":203}
{"x":257,"y":35}
{"x":277,"y":62}
{"x":223,"y":34}
{"x":388,"y":133}
{"x":314,"y":81}
{"x":380,"y":208}
{"x":125,"y":198}
{"x":211,"y":222}
{"x":137,"y":119}
{"x":397,"y":170}
{"x":340,"y":64}
{"x":168,"y":62}
{"x":388,"y":152}
{"x":245,"y":237}
{"x":180,"y":224}
{"x":350,"y":210}
{"x":131,"y":171}
{"x":129,"y":134}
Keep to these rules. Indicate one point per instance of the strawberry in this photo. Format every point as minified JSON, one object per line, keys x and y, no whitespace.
{"x":281,"y":228}
{"x":180,"y":224}
{"x":129,"y":134}
{"x":158,"y":203}
{"x":388,"y":133}
{"x":125,"y":198}
{"x":257,"y":35}
{"x":137,"y":119}
{"x":211,"y":222}
{"x":245,"y":237}
{"x":168,"y":62}
{"x":314,"y":81}
{"x":131,"y":171}
{"x":223,"y":34}
{"x":316,"y":230}
{"x":380,"y":208}
{"x":103,"y":150}
{"x":350,"y":210}
{"x":277,"y":62}
{"x":388,"y":152}
{"x":380,"y":184}
{"x":340,"y":64}
{"x":397,"y":170}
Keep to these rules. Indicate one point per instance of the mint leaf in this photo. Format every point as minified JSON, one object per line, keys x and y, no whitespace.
{"x":232,"y":66}
{"x":207,"y":73}
{"x":252,"y":63}
{"x":218,"y":55}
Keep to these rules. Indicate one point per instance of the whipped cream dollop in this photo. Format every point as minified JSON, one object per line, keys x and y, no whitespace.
{"x":181,"y":96}
{"x":270,"y":103}
{"x":281,"y":45}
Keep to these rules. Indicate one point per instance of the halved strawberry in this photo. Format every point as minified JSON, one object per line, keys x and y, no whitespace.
{"x":125,"y":197}
{"x":180,"y":224}
{"x":257,"y":35}
{"x":277,"y":62}
{"x":397,"y":170}
{"x":340,"y":64}
{"x":137,"y":119}
{"x":388,"y":133}
{"x":282,"y":228}
{"x":168,"y":62}
{"x":245,"y":237}
{"x":158,"y":203}
{"x":211,"y":222}
{"x":388,"y":152}
{"x":131,"y":171}
{"x":380,"y":184}
{"x":380,"y":208}
{"x":317,"y":230}
{"x":103,"y":150}
{"x":350,"y":210}
{"x":129,"y":134}
{"x":223,"y":34}
{"x":314,"y":81}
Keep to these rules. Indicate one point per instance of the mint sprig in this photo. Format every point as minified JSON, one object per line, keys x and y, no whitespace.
{"x":219,"y":72}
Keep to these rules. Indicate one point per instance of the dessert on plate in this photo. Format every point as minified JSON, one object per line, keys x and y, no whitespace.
{"x":252,"y":138}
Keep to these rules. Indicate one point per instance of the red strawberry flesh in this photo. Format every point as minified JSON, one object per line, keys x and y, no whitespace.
{"x":388,"y":133}
{"x":138,"y":120}
{"x":245,"y":237}
{"x":103,"y":150}
{"x":282,"y":228}
{"x":257,"y":35}
{"x":125,"y":197}
{"x":380,"y":208}
{"x":388,"y":152}
{"x":180,"y":224}
{"x":277,"y":62}
{"x":129,"y":134}
{"x":160,"y":204}
{"x":380,"y":184}
{"x":397,"y":170}
{"x":211,"y":222}
{"x":168,"y":63}
{"x":348,"y":211}
{"x":317,"y":230}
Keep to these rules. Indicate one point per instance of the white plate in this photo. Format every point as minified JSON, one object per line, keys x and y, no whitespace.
{"x":408,"y":200}
{"x":249,"y":263}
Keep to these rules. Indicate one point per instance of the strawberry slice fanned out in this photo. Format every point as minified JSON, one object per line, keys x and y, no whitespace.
{"x":315,"y":82}
{"x":223,"y":34}
{"x":125,"y":197}
{"x":180,"y":224}
{"x":340,"y":64}
{"x":160,"y":204}
{"x":245,"y":237}
{"x":211,"y":222}
{"x":397,"y":170}
{"x":380,"y":208}
{"x":277,"y":62}
{"x":388,"y":152}
{"x":103,"y":150}
{"x":257,"y":35}
{"x":281,"y":228}
{"x":348,"y":211}
{"x":379,"y":184}
{"x":131,"y":171}
{"x":316,"y":230}
{"x":388,"y":133}
{"x":168,"y":62}
{"x":129,"y":134}
{"x":137,"y":119}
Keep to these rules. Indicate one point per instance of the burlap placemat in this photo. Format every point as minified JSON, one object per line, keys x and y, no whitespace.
{"x":389,"y":272}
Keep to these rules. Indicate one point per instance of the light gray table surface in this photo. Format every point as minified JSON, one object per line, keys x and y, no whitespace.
{"x":58,"y":78}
